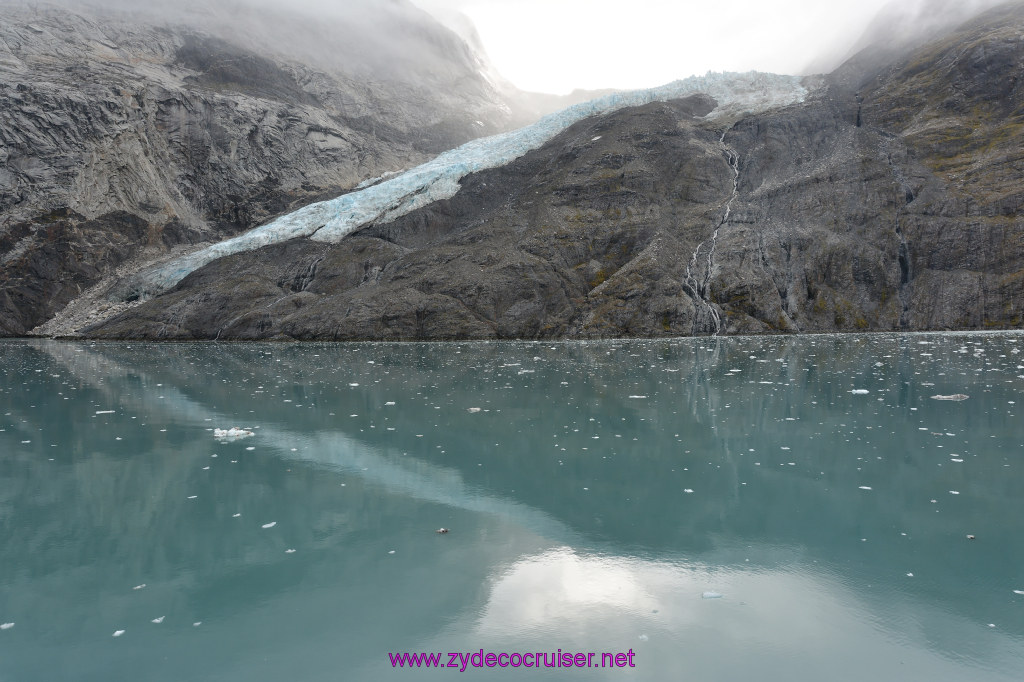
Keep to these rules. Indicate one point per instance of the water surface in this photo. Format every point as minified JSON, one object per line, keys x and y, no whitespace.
{"x":726,"y":509}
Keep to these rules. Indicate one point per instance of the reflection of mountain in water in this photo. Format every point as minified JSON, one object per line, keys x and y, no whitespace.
{"x":710,"y":422}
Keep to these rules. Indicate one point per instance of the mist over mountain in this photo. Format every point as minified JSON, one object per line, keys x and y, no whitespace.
{"x":887,"y":198}
{"x":900,"y":26}
{"x":127,"y":129}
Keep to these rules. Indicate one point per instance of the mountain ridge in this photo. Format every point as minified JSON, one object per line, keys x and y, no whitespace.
{"x":888,"y":200}
{"x":107,"y":114}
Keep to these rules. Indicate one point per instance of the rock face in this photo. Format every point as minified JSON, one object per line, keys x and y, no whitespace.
{"x":125,"y":135}
{"x":889,"y":200}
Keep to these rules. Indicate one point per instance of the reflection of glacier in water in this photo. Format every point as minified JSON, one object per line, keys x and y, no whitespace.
{"x":329,"y":221}
{"x":402,"y":476}
{"x":806,"y":586}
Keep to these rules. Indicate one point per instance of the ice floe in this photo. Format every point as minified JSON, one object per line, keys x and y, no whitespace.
{"x":234,"y":433}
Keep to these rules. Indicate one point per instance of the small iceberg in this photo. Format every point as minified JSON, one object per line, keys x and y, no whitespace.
{"x":234,"y":433}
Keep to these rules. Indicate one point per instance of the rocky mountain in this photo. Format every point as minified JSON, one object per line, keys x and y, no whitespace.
{"x":130,"y":134}
{"x":887,"y":199}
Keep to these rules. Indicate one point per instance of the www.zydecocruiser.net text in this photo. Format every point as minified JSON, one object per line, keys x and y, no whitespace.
{"x":462,"y":660}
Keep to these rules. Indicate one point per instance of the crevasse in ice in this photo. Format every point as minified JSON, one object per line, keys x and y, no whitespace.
{"x":329,"y":221}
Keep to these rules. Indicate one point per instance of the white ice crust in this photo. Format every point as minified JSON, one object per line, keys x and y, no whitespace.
{"x":438,"y":179}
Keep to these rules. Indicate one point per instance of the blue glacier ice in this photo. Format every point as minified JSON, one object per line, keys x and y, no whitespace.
{"x":329,"y":221}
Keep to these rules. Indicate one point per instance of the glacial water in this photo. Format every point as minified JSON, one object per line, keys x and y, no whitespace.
{"x":785,"y":508}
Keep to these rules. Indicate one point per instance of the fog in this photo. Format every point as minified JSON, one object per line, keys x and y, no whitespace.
{"x":556,"y":46}
{"x":365,"y":39}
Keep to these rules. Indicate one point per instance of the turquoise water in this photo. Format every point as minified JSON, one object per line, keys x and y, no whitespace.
{"x":725,"y":509}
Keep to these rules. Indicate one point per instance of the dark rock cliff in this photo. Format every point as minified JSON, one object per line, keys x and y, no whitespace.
{"x":126,"y":136}
{"x":889,"y":200}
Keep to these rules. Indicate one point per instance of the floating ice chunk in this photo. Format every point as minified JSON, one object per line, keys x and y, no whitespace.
{"x":712,"y":595}
{"x":234,"y":433}
{"x":270,"y":525}
{"x":117,"y":633}
{"x":8,"y":626}
{"x":955,"y":396}
{"x":860,"y":391}
{"x":158,"y":620}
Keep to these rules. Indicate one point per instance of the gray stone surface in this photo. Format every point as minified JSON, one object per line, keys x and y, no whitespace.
{"x":889,"y":200}
{"x":201,"y":130}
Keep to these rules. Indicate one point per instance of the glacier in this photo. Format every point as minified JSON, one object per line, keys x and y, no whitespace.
{"x":394,"y":196}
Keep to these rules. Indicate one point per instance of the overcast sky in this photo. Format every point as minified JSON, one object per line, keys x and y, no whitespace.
{"x":558,"y":45}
